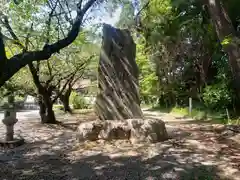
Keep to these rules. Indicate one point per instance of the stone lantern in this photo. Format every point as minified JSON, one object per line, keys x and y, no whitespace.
{"x":9,"y":121}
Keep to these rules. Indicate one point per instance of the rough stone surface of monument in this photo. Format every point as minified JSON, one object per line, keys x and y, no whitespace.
{"x":118,"y":96}
{"x":134,"y":130}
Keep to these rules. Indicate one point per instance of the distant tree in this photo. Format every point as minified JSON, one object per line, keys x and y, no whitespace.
{"x":38,"y":21}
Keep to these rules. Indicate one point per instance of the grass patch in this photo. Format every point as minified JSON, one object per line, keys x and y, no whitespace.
{"x":58,"y":107}
{"x":82,"y":111}
{"x":162,"y":109}
{"x":201,"y":114}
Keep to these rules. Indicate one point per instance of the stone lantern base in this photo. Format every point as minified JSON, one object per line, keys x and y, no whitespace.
{"x":9,"y":121}
{"x":11,"y":144}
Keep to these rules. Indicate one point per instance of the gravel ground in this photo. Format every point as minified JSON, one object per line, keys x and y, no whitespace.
{"x":52,"y":152}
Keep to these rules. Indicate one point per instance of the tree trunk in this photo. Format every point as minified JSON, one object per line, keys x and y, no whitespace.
{"x":66,"y":106}
{"x":42,"y":110}
{"x":46,"y":110}
{"x":65,"y":100}
{"x":45,"y":101}
{"x":50,"y":116}
{"x":227,"y":36}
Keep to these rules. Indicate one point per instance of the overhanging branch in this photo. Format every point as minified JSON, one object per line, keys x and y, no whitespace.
{"x":20,"y":60}
{"x":5,"y":22}
{"x":3,"y":57}
{"x":35,"y":76}
{"x":71,"y":79}
{"x":50,"y":20}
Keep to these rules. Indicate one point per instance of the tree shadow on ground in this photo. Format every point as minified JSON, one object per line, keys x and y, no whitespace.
{"x":53,"y":166}
{"x":55,"y":154}
{"x":56,"y":163}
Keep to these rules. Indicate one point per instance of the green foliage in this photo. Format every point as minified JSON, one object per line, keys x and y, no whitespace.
{"x":126,"y":19}
{"x":226,"y":41}
{"x":217,"y":96}
{"x":78,"y":101}
{"x":178,"y":52}
{"x":200,"y":113}
{"x":177,"y":41}
{"x":148,"y":80}
{"x":179,"y":55}
{"x":196,"y":113}
{"x":58,"y":107}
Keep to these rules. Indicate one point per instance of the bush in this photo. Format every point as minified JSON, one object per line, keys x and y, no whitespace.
{"x":196,"y":113}
{"x":78,"y":101}
{"x":58,"y":107}
{"x":217,"y":96}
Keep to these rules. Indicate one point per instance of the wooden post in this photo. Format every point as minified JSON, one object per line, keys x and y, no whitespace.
{"x":190,"y":106}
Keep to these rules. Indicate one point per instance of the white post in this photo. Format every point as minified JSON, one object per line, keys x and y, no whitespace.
{"x":190,"y":106}
{"x":229,"y":120}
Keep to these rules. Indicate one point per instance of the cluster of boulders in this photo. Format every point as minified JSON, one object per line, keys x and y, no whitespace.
{"x":134,"y":130}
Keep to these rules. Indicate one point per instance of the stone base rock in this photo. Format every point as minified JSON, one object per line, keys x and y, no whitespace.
{"x":151,"y":130}
{"x":89,"y":130}
{"x":135,"y":130}
{"x":115,"y":130}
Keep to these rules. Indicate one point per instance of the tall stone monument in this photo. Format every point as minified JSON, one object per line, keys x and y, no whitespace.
{"x":118,"y":96}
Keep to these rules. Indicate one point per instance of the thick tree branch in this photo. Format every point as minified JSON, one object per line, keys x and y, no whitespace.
{"x":83,"y":69}
{"x":68,"y":82}
{"x":71,"y":80}
{"x":63,"y":88}
{"x":70,"y":20}
{"x":72,"y":83}
{"x":12,"y":41}
{"x":5,"y":22}
{"x":28,"y":36}
{"x":49,"y":69}
{"x":61,"y":79}
{"x":20,"y":60}
{"x":50,"y":20}
{"x":3,"y":58}
{"x":80,"y":67}
{"x":144,"y":7}
{"x":35,"y":76}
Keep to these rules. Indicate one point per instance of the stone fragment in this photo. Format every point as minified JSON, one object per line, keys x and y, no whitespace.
{"x":115,"y":130}
{"x":89,"y":130}
{"x":135,"y":130}
{"x":151,"y":130}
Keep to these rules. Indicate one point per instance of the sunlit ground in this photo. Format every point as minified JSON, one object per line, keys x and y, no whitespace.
{"x":52,"y":152}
